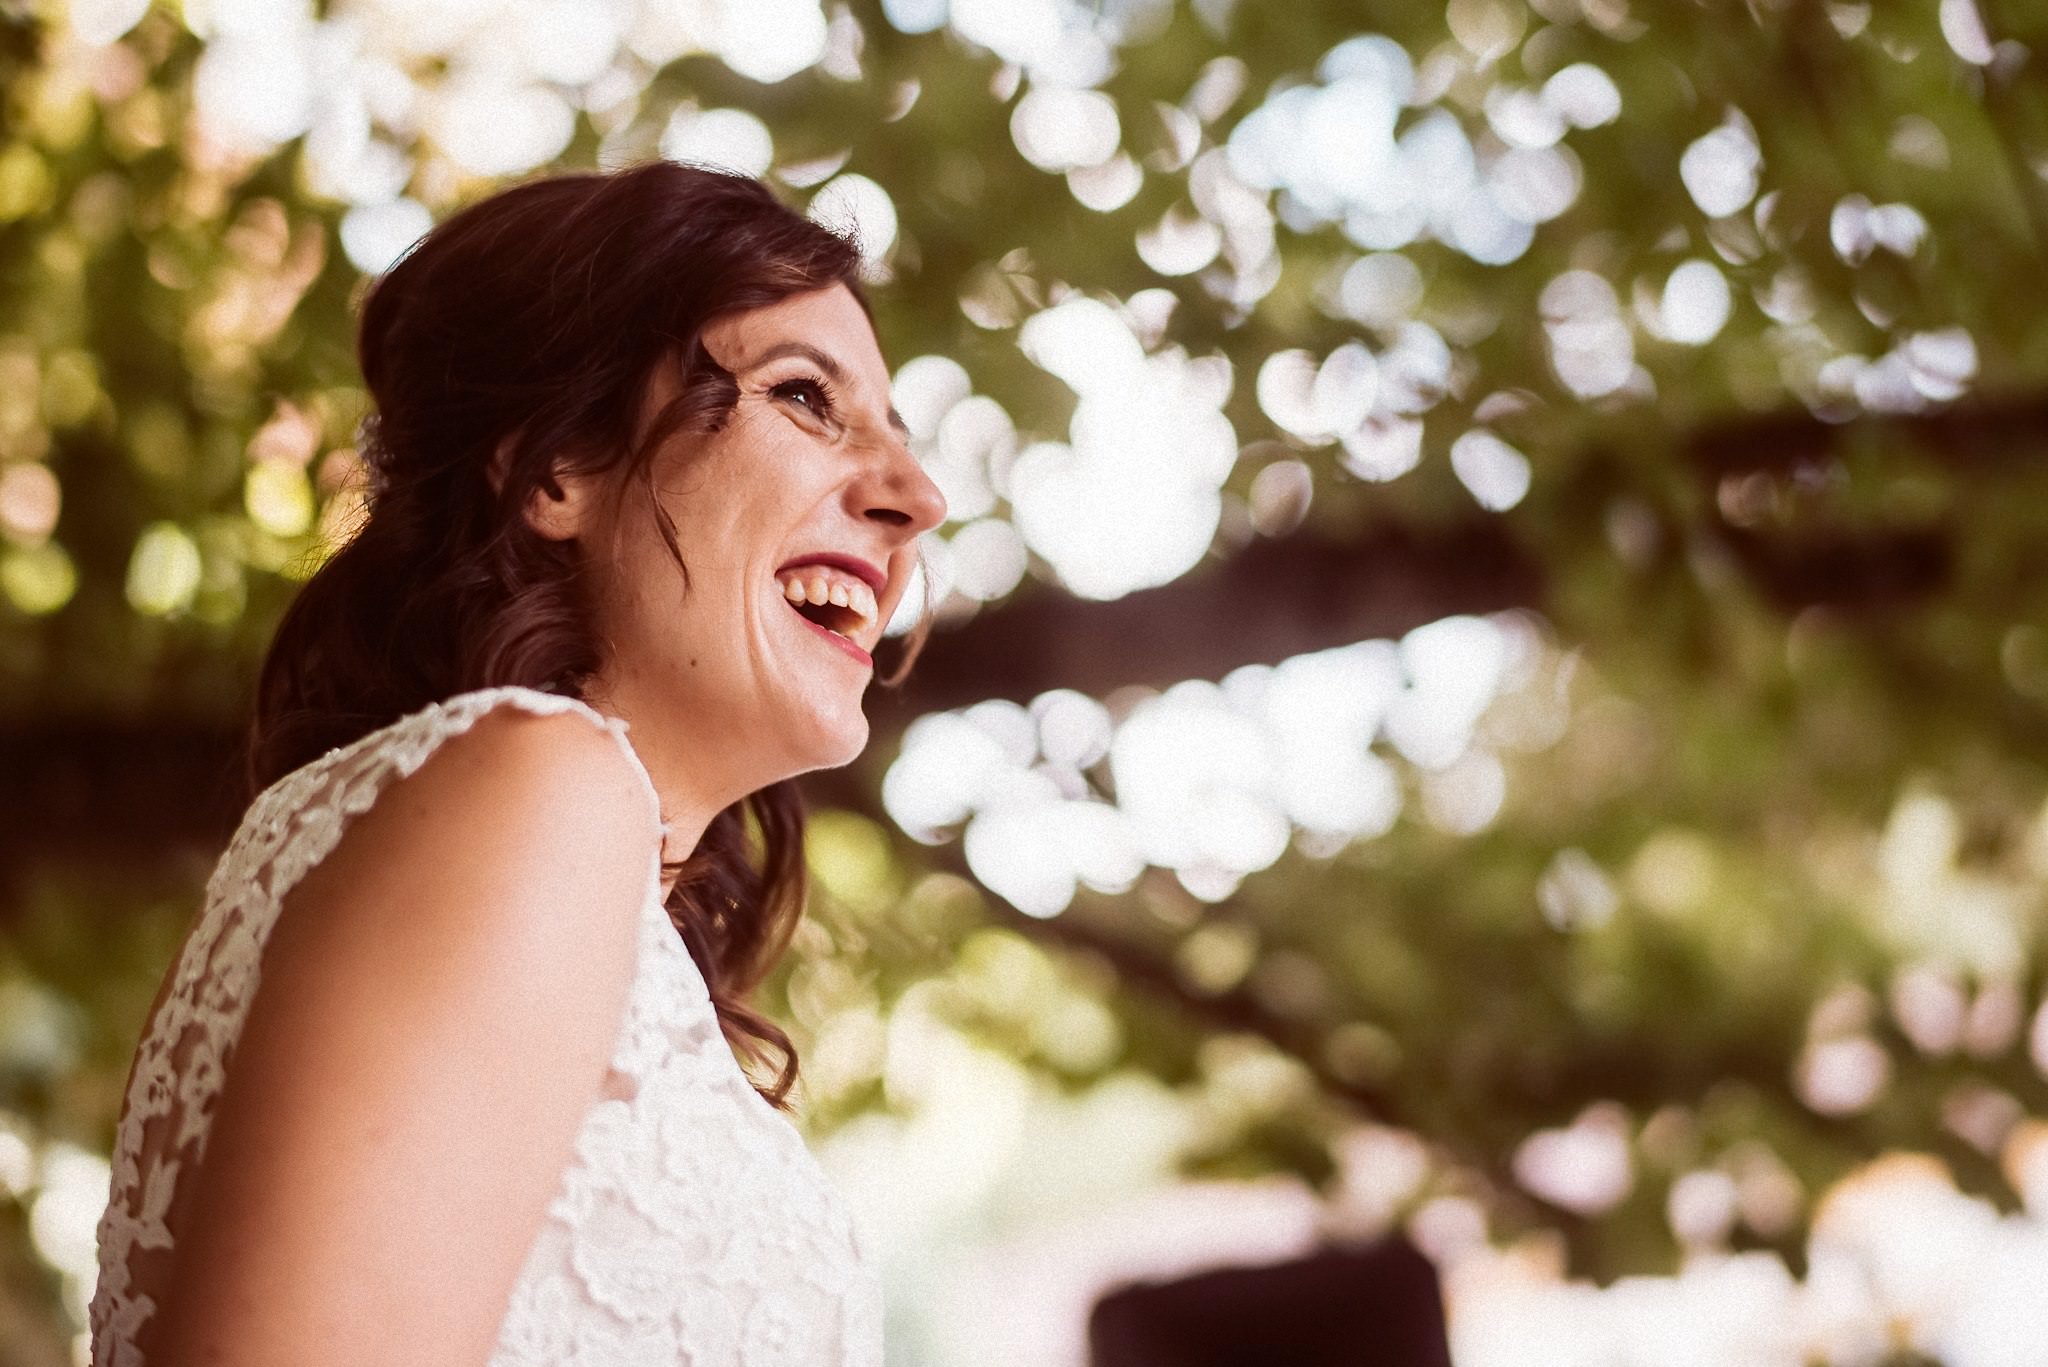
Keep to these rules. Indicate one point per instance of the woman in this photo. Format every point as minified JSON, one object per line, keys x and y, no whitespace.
{"x":633,"y":467}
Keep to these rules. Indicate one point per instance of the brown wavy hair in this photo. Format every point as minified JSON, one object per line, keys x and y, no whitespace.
{"x":533,"y":321}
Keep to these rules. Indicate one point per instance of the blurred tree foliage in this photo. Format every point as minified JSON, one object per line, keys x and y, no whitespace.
{"x":1761,"y":885}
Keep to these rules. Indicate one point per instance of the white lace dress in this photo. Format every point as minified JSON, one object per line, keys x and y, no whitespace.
{"x":692,"y":1226}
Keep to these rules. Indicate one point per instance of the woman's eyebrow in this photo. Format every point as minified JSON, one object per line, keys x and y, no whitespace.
{"x":833,"y":372}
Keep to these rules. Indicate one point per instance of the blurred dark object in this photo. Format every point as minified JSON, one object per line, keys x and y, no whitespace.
{"x":1376,"y":1306}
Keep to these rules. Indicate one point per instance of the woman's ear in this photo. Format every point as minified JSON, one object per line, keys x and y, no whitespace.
{"x":560,"y":506}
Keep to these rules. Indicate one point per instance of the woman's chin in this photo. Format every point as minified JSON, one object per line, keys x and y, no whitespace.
{"x":836,"y":744}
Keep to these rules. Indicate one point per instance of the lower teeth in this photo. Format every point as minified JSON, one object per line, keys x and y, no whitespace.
{"x":814,"y":622}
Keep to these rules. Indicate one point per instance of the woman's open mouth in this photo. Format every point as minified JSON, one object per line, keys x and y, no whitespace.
{"x":834,"y":603}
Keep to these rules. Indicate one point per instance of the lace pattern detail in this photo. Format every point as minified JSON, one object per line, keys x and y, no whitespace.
{"x":692,"y":1225}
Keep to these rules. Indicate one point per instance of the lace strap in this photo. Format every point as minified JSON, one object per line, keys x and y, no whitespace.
{"x":360,"y":771}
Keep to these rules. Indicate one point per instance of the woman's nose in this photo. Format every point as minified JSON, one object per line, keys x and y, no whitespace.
{"x":905,"y":496}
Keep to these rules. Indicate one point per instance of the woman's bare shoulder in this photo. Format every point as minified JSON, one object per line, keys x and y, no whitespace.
{"x":439,"y":998}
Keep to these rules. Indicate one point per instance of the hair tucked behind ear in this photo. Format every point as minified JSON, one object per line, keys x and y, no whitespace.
{"x":514,"y":342}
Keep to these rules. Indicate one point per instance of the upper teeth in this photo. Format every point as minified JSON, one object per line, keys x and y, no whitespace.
{"x":820,"y":584}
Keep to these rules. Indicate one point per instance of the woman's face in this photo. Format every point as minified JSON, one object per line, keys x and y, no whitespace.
{"x":809,"y":493}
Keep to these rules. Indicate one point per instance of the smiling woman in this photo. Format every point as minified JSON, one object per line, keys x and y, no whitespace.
{"x":445,"y":1070}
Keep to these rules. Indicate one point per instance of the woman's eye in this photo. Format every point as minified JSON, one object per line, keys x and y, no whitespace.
{"x":811,"y":393}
